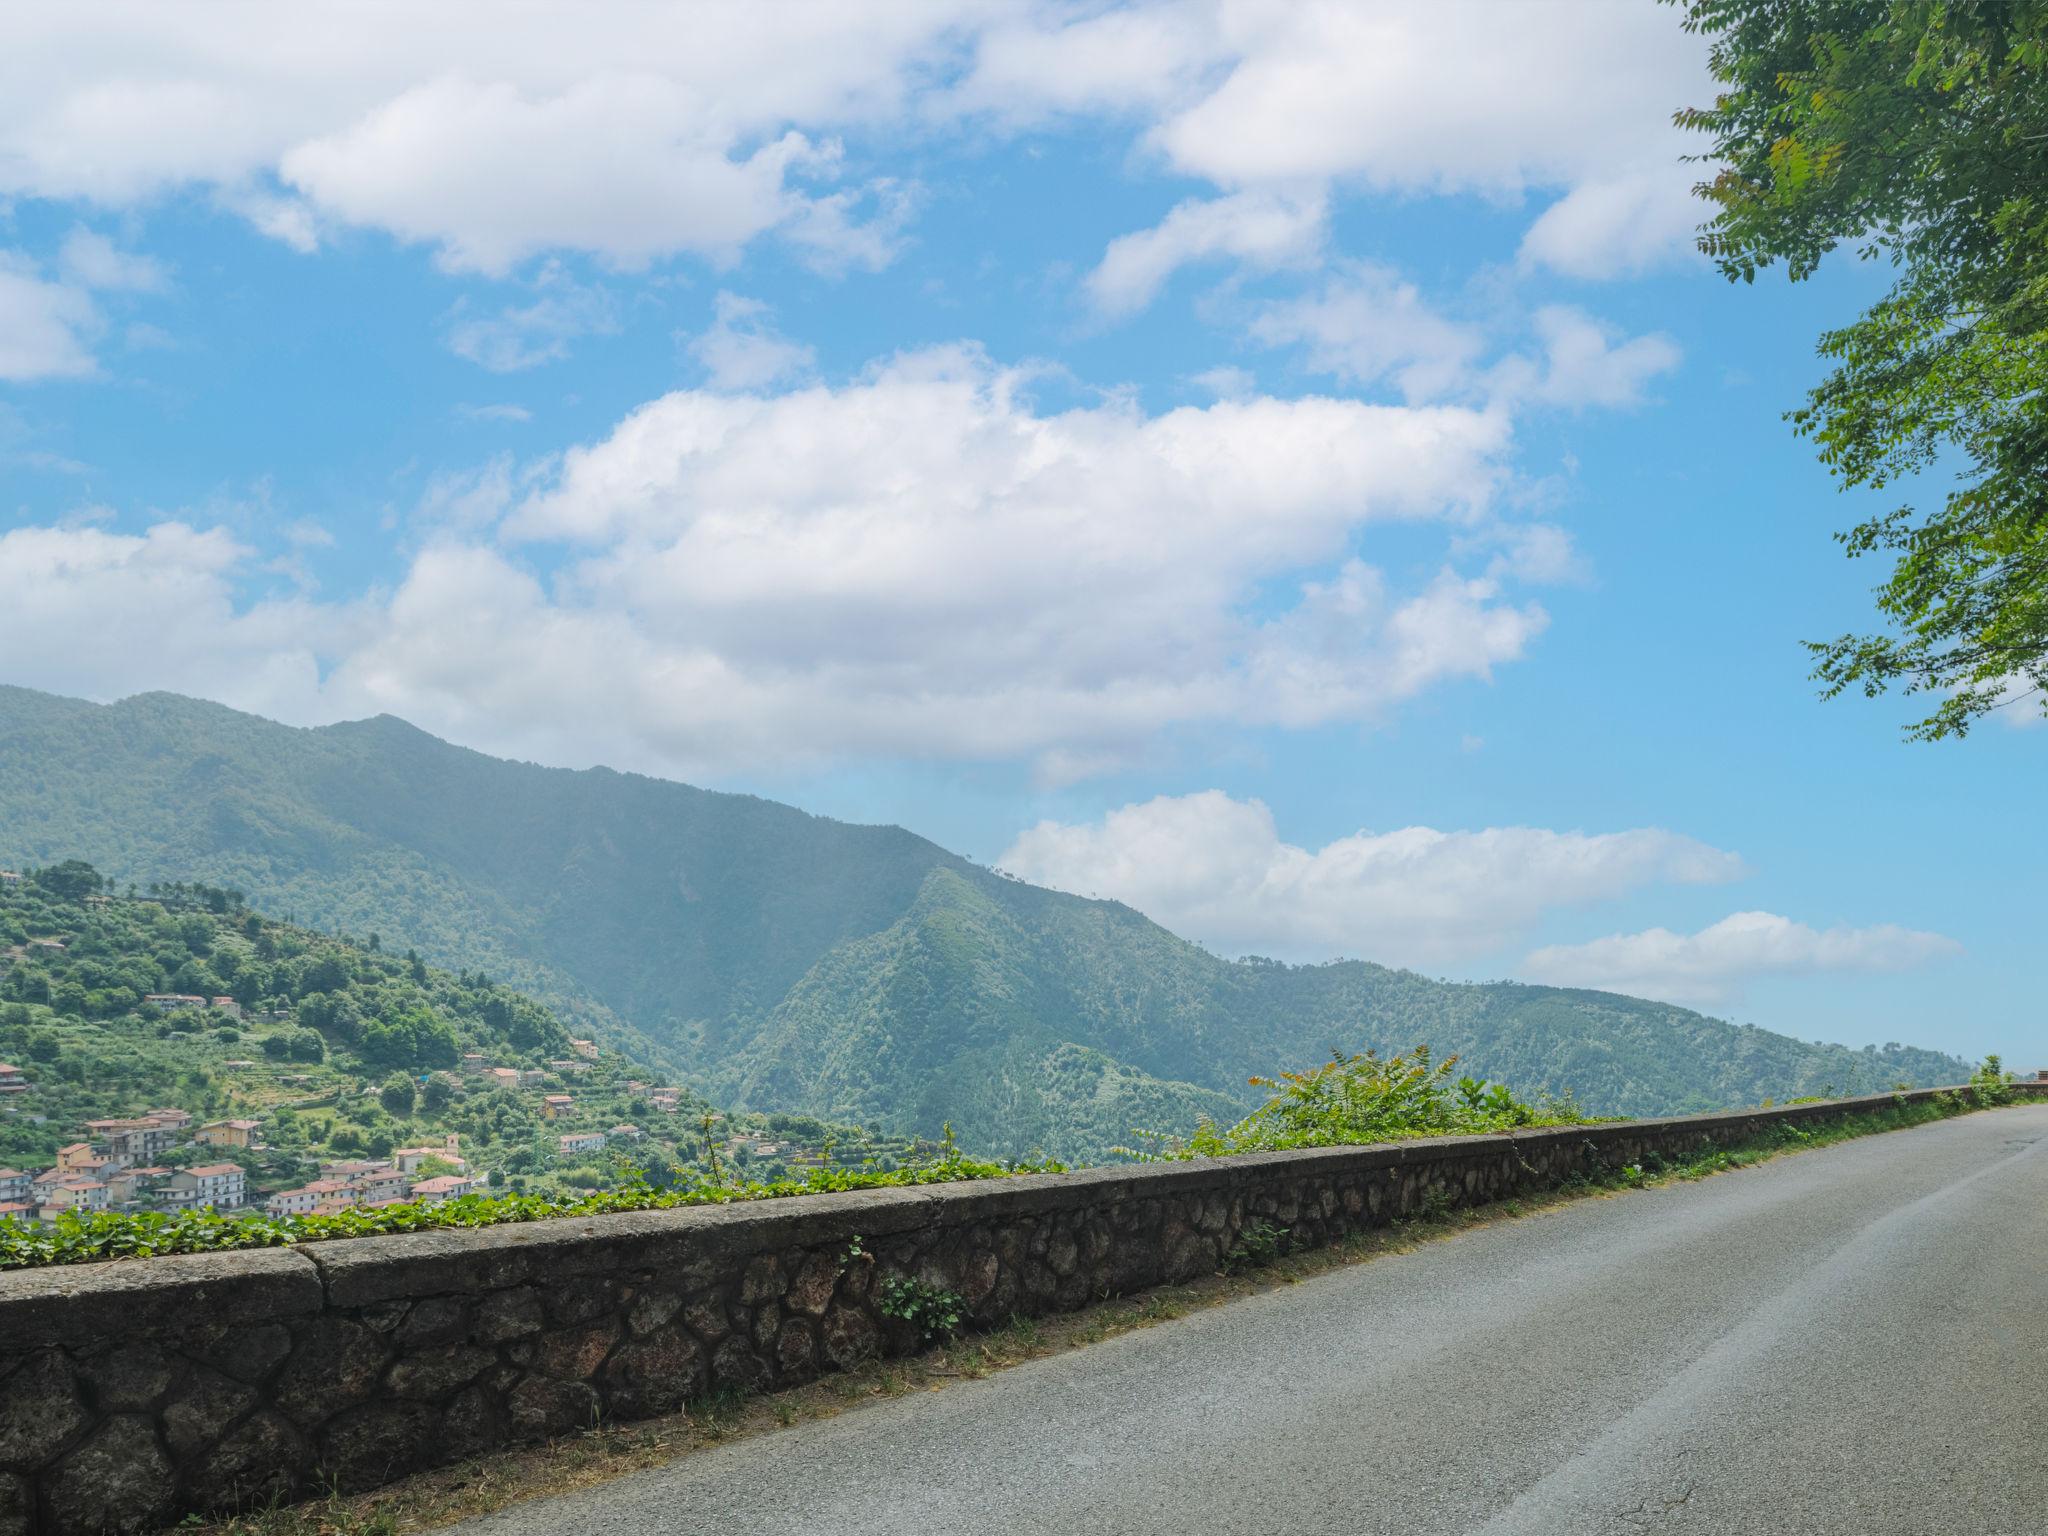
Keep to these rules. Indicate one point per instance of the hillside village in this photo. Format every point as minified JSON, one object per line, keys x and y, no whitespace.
{"x":171,"y":1050}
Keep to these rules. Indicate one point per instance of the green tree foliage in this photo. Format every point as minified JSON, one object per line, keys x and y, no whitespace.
{"x":397,"y":1094}
{"x":72,"y":880}
{"x":75,"y":1017}
{"x":1917,"y":131}
{"x":412,"y":1039}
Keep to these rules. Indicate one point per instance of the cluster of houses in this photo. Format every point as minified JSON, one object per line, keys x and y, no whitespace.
{"x":360,"y":1184}
{"x":123,"y":1165}
{"x":667,"y":1100}
{"x":118,"y":1169}
{"x":171,"y":1002}
{"x":578,"y":1142}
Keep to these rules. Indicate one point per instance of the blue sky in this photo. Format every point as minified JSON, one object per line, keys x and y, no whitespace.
{"x":1281,"y":465}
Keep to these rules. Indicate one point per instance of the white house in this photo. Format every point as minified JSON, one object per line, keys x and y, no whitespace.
{"x":220,"y":1185}
{"x":292,"y":1202}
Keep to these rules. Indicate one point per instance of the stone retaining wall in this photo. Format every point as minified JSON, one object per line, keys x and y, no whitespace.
{"x":134,"y":1391}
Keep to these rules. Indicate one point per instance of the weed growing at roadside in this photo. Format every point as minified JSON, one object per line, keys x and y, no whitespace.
{"x":1258,"y":1243}
{"x":934,"y":1311}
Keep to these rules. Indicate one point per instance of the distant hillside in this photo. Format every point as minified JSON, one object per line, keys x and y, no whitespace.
{"x":186,"y":998}
{"x":790,"y":962}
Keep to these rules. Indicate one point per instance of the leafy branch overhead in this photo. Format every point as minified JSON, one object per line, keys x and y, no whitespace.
{"x":1915,"y":131}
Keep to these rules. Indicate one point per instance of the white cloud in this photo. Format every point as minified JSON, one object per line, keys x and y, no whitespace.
{"x":91,"y":260}
{"x":489,"y":174}
{"x":1585,"y":362}
{"x":87,"y":611}
{"x":1260,"y":229}
{"x":1712,"y":966}
{"x":920,"y":563}
{"x":701,"y":129}
{"x":1215,"y":869}
{"x":45,"y":326}
{"x":527,"y":335}
{"x":1135,"y":61}
{"x":2022,"y":703}
{"x":498,"y":411}
{"x":1457,"y":95}
{"x":742,"y":352}
{"x":1225,"y":382}
{"x":1298,"y":97}
{"x":1616,"y":225}
{"x":1366,"y":324}
{"x":490,"y":137}
{"x":472,"y":500}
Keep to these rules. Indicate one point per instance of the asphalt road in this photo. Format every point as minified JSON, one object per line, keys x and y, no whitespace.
{"x":1849,"y":1341}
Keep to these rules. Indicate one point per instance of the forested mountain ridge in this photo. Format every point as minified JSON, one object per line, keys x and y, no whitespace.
{"x":790,"y":962}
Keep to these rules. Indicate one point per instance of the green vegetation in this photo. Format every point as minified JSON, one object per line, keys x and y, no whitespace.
{"x":1365,"y":1100}
{"x":782,"y":963}
{"x":1915,"y":130}
{"x":934,"y":1311}
{"x":337,"y":1050}
{"x":309,"y":1027}
{"x":76,"y":1239}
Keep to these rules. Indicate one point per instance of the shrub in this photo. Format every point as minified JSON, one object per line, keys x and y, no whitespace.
{"x":935,"y":1312}
{"x":1357,"y":1100}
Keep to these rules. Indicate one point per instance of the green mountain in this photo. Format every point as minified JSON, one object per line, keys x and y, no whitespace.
{"x":786,"y":961}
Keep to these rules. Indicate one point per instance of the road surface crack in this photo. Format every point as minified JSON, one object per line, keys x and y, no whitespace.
{"x":1643,"y":1517}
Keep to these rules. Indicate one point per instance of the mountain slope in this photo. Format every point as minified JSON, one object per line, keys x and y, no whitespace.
{"x":792,"y":962}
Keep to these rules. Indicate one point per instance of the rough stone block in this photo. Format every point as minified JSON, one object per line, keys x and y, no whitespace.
{"x":40,"y":1412}
{"x":246,"y":1353}
{"x":333,"y":1363}
{"x":654,"y":1375}
{"x":153,"y":1298}
{"x":201,"y":1410}
{"x":376,"y":1442}
{"x":435,"y":1373}
{"x":575,"y":1354}
{"x":431,"y":1321}
{"x":541,"y":1406}
{"x":128,"y":1376}
{"x":850,"y":1337}
{"x":735,"y":1365}
{"x":117,"y":1482}
{"x":261,"y":1460}
{"x":507,"y":1315}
